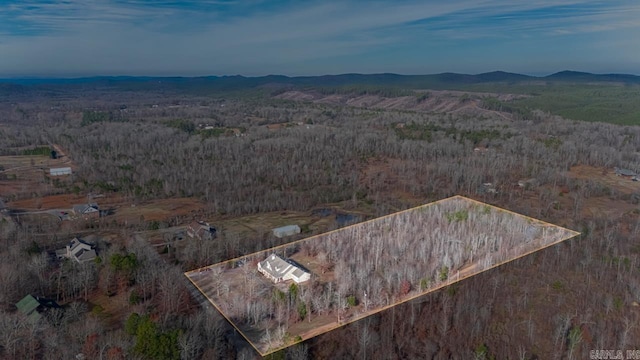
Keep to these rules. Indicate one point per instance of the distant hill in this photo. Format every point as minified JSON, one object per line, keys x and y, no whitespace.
{"x":208,"y":84}
{"x":577,"y":76}
{"x":411,"y":81}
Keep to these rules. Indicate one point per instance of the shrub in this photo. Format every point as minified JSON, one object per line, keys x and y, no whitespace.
{"x":444,"y":273}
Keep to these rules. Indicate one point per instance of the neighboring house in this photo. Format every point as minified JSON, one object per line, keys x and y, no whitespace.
{"x":60,"y":171}
{"x":87,"y":210}
{"x":201,"y":230}
{"x":286,"y":231}
{"x":35,"y":307}
{"x":78,"y":251}
{"x":277,"y":269}
{"x":625,"y":172}
{"x":528,"y":183}
{"x":487,"y":188}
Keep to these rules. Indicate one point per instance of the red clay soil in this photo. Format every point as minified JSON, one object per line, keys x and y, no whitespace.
{"x":64,"y":201}
{"x":605,"y":176}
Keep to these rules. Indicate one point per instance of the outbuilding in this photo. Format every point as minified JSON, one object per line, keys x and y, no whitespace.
{"x":286,"y":231}
{"x":60,"y":171}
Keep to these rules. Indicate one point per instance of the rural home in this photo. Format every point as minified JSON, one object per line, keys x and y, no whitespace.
{"x":77,"y":250}
{"x":528,"y":183}
{"x":625,"y":172}
{"x":286,"y":231}
{"x":60,"y":171}
{"x":487,"y":188}
{"x":35,"y":307}
{"x":87,"y":210}
{"x":201,"y":230}
{"x":277,"y":269}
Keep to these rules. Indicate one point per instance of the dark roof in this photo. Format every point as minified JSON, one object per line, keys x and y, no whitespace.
{"x":201,"y":229}
{"x":31,"y":306}
{"x":28,"y":304}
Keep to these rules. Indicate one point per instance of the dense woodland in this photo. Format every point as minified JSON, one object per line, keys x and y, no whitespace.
{"x":558,"y":303}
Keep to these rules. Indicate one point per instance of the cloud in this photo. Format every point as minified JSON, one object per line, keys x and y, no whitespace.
{"x":204,"y":37}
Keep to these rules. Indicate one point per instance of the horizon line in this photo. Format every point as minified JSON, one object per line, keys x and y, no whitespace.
{"x":96,"y":76}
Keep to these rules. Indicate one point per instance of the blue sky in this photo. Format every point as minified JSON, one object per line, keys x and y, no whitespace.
{"x":225,"y":37}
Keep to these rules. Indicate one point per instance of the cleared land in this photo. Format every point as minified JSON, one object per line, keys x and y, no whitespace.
{"x":368,"y":267}
{"x":26,"y":174}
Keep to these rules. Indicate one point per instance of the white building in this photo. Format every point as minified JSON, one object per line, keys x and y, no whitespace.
{"x":286,"y":231}
{"x":277,"y":269}
{"x":60,"y":171}
{"x":87,"y":210}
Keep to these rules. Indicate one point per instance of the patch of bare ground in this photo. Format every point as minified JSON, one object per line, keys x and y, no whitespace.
{"x":124,"y":209}
{"x":64,"y":201}
{"x":114,"y":309}
{"x":22,"y":176}
{"x":606,"y":177}
{"x":159,"y":210}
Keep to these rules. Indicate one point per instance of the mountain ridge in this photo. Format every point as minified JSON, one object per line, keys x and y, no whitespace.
{"x":491,"y":76}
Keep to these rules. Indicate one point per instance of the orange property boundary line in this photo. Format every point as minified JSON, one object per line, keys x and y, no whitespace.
{"x":446,"y":283}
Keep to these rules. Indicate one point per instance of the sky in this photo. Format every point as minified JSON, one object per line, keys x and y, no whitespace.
{"x":75,"y":38}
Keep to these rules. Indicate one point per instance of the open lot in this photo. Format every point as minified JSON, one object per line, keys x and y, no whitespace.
{"x":450,"y":240}
{"x":605,"y":177}
{"x":22,"y":176}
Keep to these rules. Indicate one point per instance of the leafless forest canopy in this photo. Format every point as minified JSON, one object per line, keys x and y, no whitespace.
{"x":247,"y":154}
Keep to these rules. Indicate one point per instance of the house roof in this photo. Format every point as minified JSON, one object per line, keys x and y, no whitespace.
{"x":279,"y":268}
{"x":85,"y":255}
{"x":74,"y":243}
{"x":625,"y":172}
{"x":298,"y":272}
{"x":200,"y":228}
{"x":275,"y":266}
{"x":28,"y":304}
{"x":62,"y":169}
{"x":79,"y":250}
{"x":287,"y":228}
{"x":85,"y":208}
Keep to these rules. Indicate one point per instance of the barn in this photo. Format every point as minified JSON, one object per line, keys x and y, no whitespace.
{"x":286,"y":231}
{"x":60,"y":171}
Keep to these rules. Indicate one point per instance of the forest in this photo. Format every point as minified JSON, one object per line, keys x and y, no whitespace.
{"x":242,"y":157}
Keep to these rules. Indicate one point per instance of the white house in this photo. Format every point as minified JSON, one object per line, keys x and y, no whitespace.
{"x":277,"y":269}
{"x":60,"y":171}
{"x":77,"y":250}
{"x":87,"y":210}
{"x":286,"y":231}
